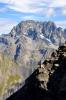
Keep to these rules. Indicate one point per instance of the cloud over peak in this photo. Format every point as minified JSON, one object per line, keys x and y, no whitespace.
{"x":6,"y":25}
{"x":54,"y":10}
{"x":34,"y":6}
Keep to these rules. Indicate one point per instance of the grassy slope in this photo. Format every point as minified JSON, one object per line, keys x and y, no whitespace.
{"x":8,"y":73}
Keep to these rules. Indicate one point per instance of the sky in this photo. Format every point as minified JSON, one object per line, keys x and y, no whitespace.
{"x":14,"y":11}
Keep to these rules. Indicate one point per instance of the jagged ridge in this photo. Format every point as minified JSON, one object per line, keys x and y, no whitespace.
{"x":29,"y":42}
{"x":48,"y":81}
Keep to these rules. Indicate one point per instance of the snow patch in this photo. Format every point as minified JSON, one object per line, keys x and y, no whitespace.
{"x":42,"y":36}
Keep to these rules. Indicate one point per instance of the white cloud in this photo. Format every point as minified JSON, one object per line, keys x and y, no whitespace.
{"x":57,"y":3}
{"x":27,"y":3}
{"x":6,"y":25}
{"x":49,"y":12}
{"x":29,"y":6}
{"x":63,"y":11}
{"x":61,"y":24}
{"x":23,"y":5}
{"x":46,"y":7}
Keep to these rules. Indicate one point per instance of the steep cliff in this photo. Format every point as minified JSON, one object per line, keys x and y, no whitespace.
{"x":48,"y":81}
{"x":27,"y":44}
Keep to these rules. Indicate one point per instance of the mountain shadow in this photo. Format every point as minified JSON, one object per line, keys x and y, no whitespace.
{"x":31,"y":90}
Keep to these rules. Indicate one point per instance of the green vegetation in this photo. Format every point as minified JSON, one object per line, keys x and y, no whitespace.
{"x":1,"y":88}
{"x":8,"y":73}
{"x":12,"y":79}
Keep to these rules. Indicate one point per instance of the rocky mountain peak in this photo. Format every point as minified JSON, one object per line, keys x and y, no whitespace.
{"x":43,"y":30}
{"x":28,"y":43}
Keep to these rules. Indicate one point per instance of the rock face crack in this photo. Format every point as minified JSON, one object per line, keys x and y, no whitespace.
{"x":17,"y":52}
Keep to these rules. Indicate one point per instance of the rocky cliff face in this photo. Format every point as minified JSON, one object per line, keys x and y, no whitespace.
{"x":40,"y":30}
{"x":48,"y":81}
{"x":31,"y":41}
{"x":28,"y":43}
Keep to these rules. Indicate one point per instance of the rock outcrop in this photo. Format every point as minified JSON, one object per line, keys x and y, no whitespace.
{"x":48,"y":81}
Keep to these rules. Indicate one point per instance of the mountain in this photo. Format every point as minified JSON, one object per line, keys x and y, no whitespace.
{"x":31,"y":39}
{"x":27,"y":44}
{"x":40,"y":30}
{"x":48,"y":81}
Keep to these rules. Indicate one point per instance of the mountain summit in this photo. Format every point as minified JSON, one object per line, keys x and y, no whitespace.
{"x":40,"y":30}
{"x":27,"y":44}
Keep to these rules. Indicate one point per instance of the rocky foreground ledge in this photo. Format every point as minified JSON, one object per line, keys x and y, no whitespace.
{"x":48,"y":81}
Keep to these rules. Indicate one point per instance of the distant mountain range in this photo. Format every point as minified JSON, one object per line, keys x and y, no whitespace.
{"x":29,"y":42}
